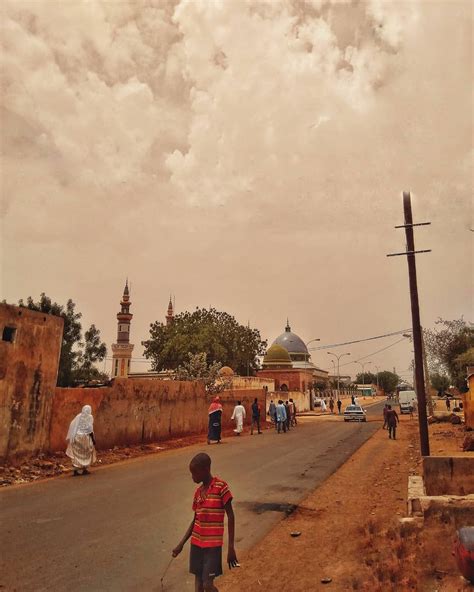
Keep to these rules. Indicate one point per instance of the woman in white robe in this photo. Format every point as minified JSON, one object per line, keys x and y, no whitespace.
{"x":239,"y":415}
{"x":81,"y":441}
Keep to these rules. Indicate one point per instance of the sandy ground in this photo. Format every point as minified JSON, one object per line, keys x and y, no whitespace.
{"x":350,"y":528}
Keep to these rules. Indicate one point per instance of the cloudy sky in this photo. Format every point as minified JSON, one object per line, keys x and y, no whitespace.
{"x":241,"y":154}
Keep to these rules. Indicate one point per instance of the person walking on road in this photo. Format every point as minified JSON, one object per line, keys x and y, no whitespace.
{"x":339,"y":405}
{"x":81,"y":441}
{"x":353,"y":400}
{"x":239,"y":415}
{"x":293,"y":412}
{"x":288,"y":415}
{"x":448,"y":403}
{"x":385,"y":411}
{"x":272,"y":412}
{"x":323,"y":406}
{"x":331,"y":404}
{"x":281,"y":416}
{"x":211,"y":502}
{"x":215,"y":421}
{"x":392,"y":421}
{"x":255,"y":416}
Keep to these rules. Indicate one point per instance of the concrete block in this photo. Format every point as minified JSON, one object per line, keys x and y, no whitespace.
{"x":416,"y":490}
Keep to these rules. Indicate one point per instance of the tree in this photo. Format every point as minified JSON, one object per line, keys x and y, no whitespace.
{"x":440,"y":382}
{"x":388,"y":381}
{"x":445,"y":346}
{"x":71,"y":357}
{"x":366,"y":378}
{"x":216,"y":333}
{"x":197,"y":368}
{"x":93,"y":351}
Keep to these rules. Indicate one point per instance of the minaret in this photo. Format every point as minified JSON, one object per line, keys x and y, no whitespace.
{"x":170,"y":314}
{"x":122,"y":350}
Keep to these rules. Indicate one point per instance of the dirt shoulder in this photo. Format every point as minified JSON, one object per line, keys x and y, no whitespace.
{"x":350,"y":530}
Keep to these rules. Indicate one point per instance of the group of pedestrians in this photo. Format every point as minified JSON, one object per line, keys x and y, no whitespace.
{"x":239,"y":414}
{"x":282,"y":415}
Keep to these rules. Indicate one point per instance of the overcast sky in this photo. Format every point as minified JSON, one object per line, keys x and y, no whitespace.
{"x":245,"y":155}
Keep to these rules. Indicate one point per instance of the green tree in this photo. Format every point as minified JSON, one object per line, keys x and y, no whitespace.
{"x":388,"y":381}
{"x":366,"y":378}
{"x":445,"y":346}
{"x":216,"y":333}
{"x":71,"y":356}
{"x":440,"y":382}
{"x":93,"y":350}
{"x":197,"y":368}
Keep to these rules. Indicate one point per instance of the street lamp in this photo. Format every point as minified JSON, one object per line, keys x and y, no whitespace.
{"x":363,"y":364}
{"x":377,"y":368}
{"x":311,"y":341}
{"x":338,"y":358}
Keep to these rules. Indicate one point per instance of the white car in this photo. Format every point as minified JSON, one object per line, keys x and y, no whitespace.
{"x":355,"y":413}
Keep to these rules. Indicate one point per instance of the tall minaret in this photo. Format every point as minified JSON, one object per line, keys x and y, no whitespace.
{"x":170,"y":314}
{"x":122,"y":350}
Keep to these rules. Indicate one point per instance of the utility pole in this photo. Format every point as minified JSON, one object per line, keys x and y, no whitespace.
{"x":415,"y":316}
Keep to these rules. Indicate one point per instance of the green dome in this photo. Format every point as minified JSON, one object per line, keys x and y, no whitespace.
{"x":277,"y":356}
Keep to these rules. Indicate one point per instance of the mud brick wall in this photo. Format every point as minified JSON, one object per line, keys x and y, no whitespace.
{"x":135,"y":411}
{"x":29,"y":357}
{"x":448,"y":475}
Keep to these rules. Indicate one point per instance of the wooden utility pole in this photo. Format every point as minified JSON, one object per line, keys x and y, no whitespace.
{"x":415,"y":316}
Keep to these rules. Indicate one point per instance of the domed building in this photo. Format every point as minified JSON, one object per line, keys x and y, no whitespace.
{"x":288,"y":363}
{"x":277,"y":357}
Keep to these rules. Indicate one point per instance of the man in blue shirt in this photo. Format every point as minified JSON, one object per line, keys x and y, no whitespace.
{"x":281,"y":416}
{"x":255,"y":416}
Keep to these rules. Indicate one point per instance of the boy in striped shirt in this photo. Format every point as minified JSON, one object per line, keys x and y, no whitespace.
{"x":211,"y":501}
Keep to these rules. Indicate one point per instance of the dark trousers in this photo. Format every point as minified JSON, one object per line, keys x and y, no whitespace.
{"x":392,"y":429}
{"x":255,"y":421}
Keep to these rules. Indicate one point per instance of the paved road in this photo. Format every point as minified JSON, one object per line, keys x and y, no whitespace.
{"x":113,"y":530}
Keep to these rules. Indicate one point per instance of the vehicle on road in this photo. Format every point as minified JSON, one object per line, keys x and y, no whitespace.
{"x":355,"y":413}
{"x":406,"y":399}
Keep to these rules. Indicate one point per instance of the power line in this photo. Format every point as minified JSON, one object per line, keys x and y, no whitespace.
{"x":360,"y":340}
{"x":375,"y":352}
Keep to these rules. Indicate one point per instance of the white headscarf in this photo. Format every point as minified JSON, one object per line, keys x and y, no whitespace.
{"x":83,"y":423}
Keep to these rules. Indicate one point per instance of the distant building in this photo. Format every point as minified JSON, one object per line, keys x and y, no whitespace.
{"x":170,"y":314}
{"x":367,"y":390}
{"x":122,"y":350}
{"x":288,"y":363}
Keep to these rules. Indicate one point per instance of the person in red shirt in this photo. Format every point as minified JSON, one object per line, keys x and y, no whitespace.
{"x":211,"y":501}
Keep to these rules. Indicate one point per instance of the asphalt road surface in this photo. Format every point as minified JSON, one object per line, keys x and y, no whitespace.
{"x":114,"y":530}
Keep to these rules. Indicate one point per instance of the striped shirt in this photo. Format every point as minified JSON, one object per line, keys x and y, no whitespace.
{"x":208,"y":529}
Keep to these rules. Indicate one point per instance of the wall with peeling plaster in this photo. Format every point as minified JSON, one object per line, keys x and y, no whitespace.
{"x":30,"y":346}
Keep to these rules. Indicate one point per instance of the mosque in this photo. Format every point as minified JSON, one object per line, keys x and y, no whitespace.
{"x":288,"y":363}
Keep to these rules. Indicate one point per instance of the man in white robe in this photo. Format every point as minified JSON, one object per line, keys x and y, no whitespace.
{"x":239,"y":415}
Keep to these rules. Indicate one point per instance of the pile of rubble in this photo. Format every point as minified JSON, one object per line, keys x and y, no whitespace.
{"x":33,"y":469}
{"x":444,"y":417}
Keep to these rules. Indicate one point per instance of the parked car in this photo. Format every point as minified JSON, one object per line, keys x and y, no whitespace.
{"x":317,"y":401}
{"x":355,"y":413}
